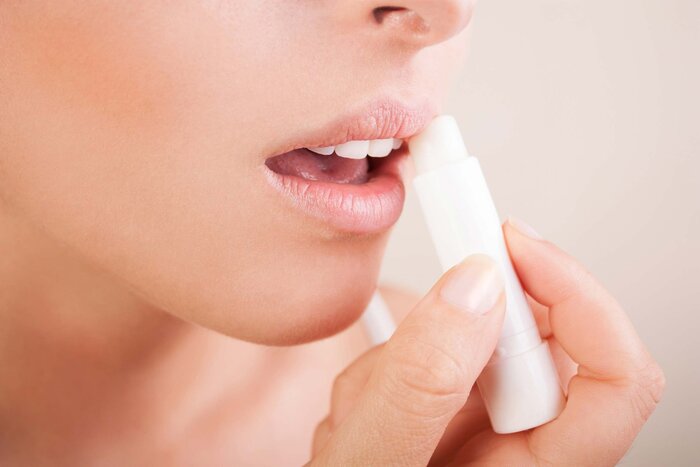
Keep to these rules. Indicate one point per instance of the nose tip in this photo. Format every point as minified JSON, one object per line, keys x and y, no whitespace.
{"x":424,"y":22}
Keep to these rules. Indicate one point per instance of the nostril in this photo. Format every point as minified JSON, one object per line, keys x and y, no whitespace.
{"x":419,"y":23}
{"x":382,"y":12}
{"x":403,"y":19}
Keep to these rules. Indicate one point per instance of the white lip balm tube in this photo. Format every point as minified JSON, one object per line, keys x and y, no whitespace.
{"x":520,"y":386}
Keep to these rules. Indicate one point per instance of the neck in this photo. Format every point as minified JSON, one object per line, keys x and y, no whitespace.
{"x":80,"y":352}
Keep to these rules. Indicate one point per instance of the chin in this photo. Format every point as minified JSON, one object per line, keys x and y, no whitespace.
{"x":316,"y":292}
{"x":321,"y":313}
{"x":325,"y":321}
{"x":298,"y":321}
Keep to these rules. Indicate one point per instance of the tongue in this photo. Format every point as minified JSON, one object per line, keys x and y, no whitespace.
{"x":311,"y":166}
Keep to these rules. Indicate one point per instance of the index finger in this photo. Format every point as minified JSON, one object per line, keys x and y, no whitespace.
{"x":585,"y":319}
{"x":618,"y":383}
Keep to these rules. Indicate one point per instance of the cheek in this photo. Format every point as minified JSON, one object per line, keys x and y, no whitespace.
{"x":113,"y":112}
{"x":85,"y":73}
{"x":128,"y":140}
{"x":98,"y":121}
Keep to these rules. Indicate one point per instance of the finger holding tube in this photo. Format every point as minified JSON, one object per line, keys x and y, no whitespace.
{"x":425,"y":372}
{"x":618,"y":383}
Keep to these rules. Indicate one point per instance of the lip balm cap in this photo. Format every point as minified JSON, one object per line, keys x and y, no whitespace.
{"x":438,"y":144}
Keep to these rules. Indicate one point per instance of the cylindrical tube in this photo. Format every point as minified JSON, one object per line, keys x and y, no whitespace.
{"x":519,"y":385}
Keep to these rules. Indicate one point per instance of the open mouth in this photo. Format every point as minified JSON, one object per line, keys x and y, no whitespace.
{"x":348,"y":175}
{"x":354,"y":162}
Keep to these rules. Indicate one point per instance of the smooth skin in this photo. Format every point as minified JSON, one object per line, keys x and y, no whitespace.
{"x":413,"y":400}
{"x":144,"y":257}
{"x":139,"y":234}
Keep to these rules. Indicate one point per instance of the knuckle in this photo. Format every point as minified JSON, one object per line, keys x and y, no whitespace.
{"x":647,"y":388}
{"x":426,"y":376}
{"x":429,"y":369}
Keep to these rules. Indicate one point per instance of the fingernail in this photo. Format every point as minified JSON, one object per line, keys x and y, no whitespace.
{"x":474,"y":286}
{"x":523,"y":228}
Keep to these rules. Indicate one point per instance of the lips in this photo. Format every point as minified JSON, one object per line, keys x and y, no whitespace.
{"x":345,"y":175}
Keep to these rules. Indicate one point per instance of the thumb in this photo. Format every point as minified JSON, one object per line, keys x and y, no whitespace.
{"x":425,"y":372}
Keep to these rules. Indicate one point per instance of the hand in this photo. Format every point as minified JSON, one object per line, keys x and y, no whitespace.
{"x":412,"y":401}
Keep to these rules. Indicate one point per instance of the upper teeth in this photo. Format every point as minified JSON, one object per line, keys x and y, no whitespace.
{"x":361,"y":149}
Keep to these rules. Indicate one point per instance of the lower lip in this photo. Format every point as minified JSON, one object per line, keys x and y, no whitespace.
{"x":367,"y":208}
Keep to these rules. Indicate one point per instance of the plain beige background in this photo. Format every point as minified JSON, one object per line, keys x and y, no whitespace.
{"x":585,"y":116}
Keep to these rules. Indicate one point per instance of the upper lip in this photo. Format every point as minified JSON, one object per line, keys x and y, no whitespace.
{"x":380,"y":120}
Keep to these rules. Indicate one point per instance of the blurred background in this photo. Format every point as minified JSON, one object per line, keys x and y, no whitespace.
{"x":585,"y":116}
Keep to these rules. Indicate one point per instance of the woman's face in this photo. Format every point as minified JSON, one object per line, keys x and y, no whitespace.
{"x":141,"y":135}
